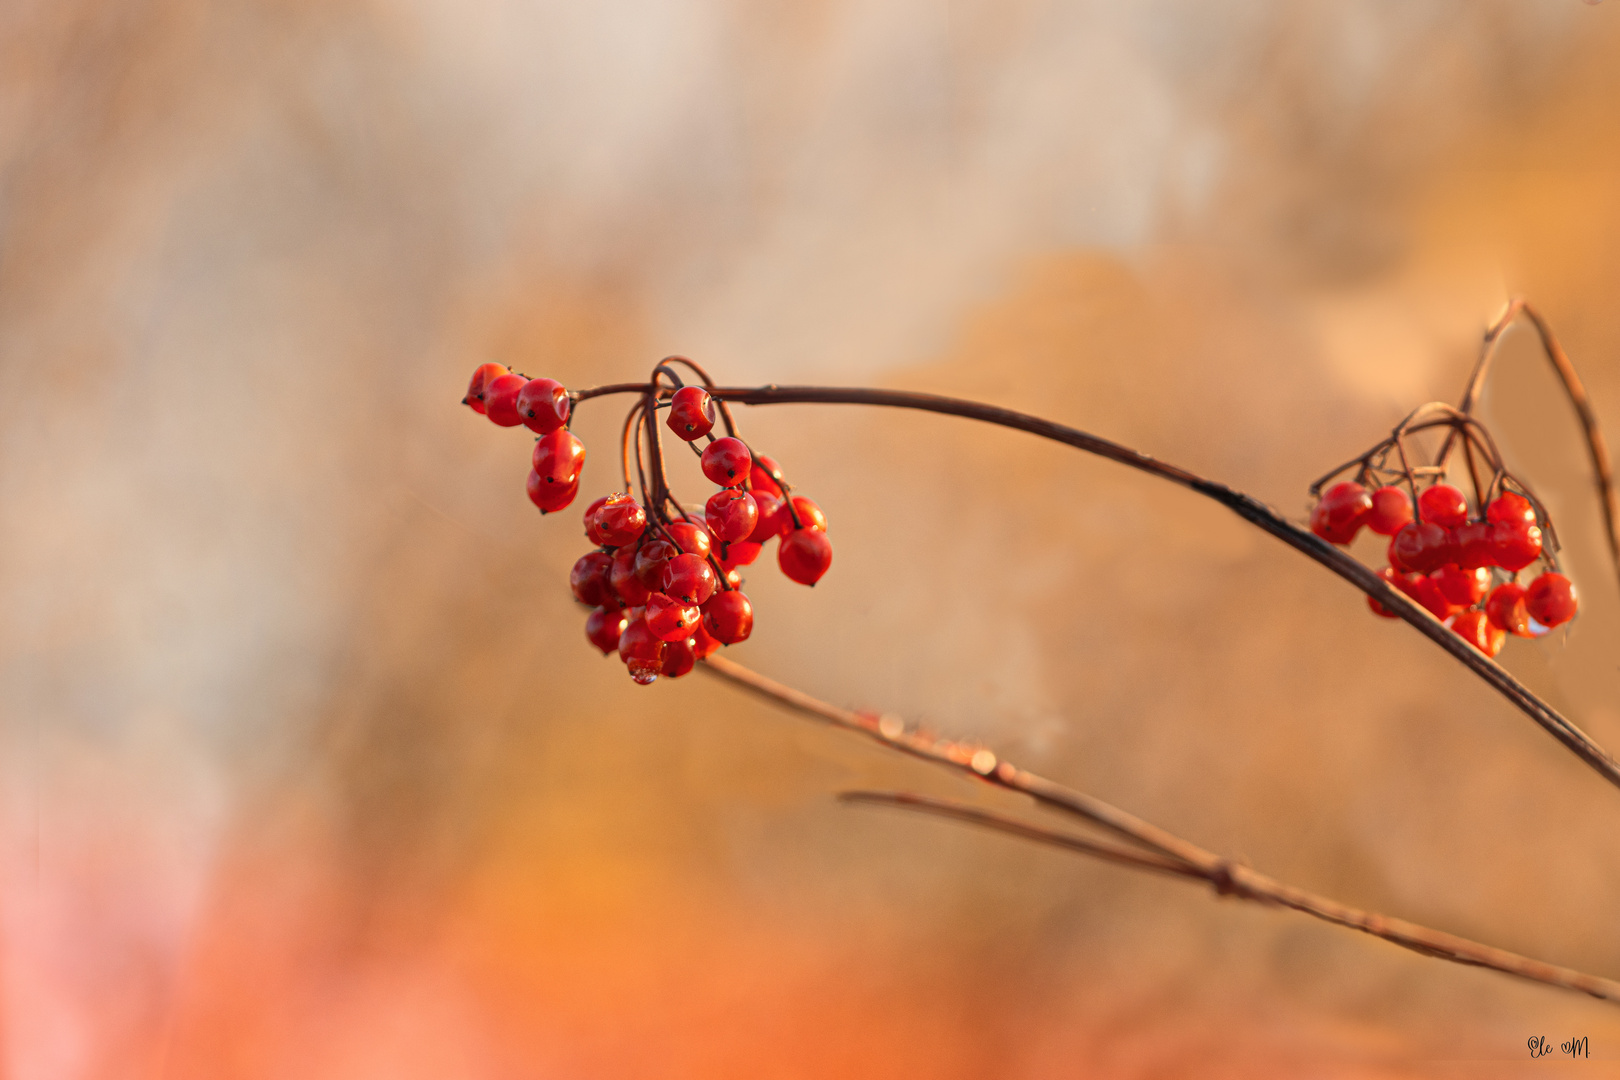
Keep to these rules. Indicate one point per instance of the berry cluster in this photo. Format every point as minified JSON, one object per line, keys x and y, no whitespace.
{"x":1463,"y":568}
{"x":663,"y":585}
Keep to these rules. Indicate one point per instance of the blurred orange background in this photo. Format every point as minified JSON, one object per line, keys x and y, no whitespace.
{"x":308,"y":769}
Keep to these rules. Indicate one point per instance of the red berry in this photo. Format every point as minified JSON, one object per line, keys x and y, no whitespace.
{"x":1443,"y":505}
{"x":1515,"y":545}
{"x":591,"y":532}
{"x":760,"y":478}
{"x":1421,"y":546}
{"x":1551,"y":599}
{"x":550,"y":497}
{"x":1341,"y":511}
{"x":543,"y":405}
{"x":1426,"y":592}
{"x":650,"y":560}
{"x":727,"y":461}
{"x":1474,"y":628}
{"x":728,"y":617}
{"x":669,"y":619}
{"x":592,"y":580}
{"x":482,"y":377}
{"x":703,"y":643}
{"x":1473,"y":545}
{"x":768,"y":505}
{"x":739,"y":553}
{"x":732,"y":514}
{"x":559,"y":457}
{"x":641,"y":651}
{"x":1506,"y":610}
{"x":691,"y":538}
{"x":1464,"y":588}
{"x":1391,"y":508}
{"x":500,"y":399}
{"x":810,"y":517}
{"x":1510,"y":506}
{"x":804,"y":555}
{"x":689,"y":578}
{"x":620,"y":520}
{"x":691,"y":413}
{"x":604,"y":626}
{"x":679,"y":658}
{"x":624,"y":580}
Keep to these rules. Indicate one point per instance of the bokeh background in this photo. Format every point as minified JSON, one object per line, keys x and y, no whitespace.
{"x":307,"y":768}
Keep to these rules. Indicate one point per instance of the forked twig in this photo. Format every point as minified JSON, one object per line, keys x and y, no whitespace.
{"x":1160,"y":851}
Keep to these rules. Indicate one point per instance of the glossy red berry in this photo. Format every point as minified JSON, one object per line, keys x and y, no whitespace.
{"x":543,"y":405}
{"x":760,"y":476}
{"x":624,"y":580}
{"x":604,"y":626}
{"x":703,"y":643}
{"x":1510,"y":506}
{"x":810,"y":517}
{"x":691,"y":413}
{"x":641,"y":651}
{"x":559,"y":457}
{"x":670,"y":619}
{"x":1421,"y":546}
{"x":1464,"y":588}
{"x":1474,"y":546}
{"x":500,"y":399}
{"x":679,"y":658}
{"x":1551,"y":599}
{"x":591,"y":532}
{"x":550,"y":497}
{"x":1506,"y":609}
{"x":620,"y":520}
{"x":1515,"y":545}
{"x":691,"y":538}
{"x":1443,"y":505}
{"x":689,"y":579}
{"x":728,"y":617}
{"x":732,"y":514}
{"x":1426,"y":592}
{"x":804,"y":555}
{"x":1474,"y":628}
{"x":768,"y":505}
{"x":482,"y":377}
{"x":1391,"y":509}
{"x":727,"y":461}
{"x":650,"y":560}
{"x":733,"y":579}
{"x":592,"y":580}
{"x":739,"y":553}
{"x":1341,"y":511}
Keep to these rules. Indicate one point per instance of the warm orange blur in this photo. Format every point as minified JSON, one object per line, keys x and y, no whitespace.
{"x":308,"y":769}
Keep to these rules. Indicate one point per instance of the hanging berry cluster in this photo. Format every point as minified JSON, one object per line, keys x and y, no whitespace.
{"x":664,"y":583}
{"x":1460,"y":559}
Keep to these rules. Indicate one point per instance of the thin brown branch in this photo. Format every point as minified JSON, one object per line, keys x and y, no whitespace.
{"x":1231,"y":879}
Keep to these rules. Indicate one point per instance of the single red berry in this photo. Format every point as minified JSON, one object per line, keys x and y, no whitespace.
{"x":1427,"y":593}
{"x":604,"y":626}
{"x":1341,"y":511}
{"x":1515,"y":545}
{"x":1474,"y":628}
{"x":670,"y":619}
{"x":727,"y":461}
{"x":1464,"y":588}
{"x":543,"y":405}
{"x":624,"y":580}
{"x":620,"y":520}
{"x":1443,"y":505}
{"x":703,"y":643}
{"x":1510,"y":506}
{"x":760,"y":476}
{"x":500,"y":399}
{"x":691,"y":413}
{"x":768,"y":505}
{"x":641,"y":651}
{"x":804,"y":555}
{"x":728,"y":617}
{"x":810,"y":517}
{"x":689,"y":578}
{"x":650,"y":560}
{"x":592,"y":580}
{"x":731,"y":514}
{"x":1391,"y":509}
{"x":1473,"y":545}
{"x":1421,"y":546}
{"x":481,"y":378}
{"x":691,"y":538}
{"x":1551,"y":599}
{"x":550,"y":497}
{"x":679,"y":658}
{"x":739,"y":553}
{"x":591,"y":532}
{"x":1395,"y":579}
{"x":1506,"y":610}
{"x":559,"y":457}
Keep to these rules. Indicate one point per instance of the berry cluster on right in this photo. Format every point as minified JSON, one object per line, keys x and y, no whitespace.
{"x":1462,"y":563}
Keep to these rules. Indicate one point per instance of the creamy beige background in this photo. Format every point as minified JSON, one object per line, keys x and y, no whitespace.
{"x":307,"y":768}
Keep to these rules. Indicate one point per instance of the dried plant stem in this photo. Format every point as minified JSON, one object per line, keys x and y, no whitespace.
{"x":1158,"y":850}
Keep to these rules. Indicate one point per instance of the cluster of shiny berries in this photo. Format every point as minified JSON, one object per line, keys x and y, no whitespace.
{"x":1463,"y":570}
{"x":663,"y":594}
